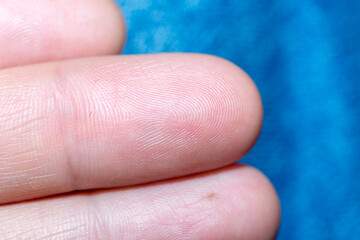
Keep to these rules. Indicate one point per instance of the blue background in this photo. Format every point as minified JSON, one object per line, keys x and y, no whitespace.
{"x":304,"y":57}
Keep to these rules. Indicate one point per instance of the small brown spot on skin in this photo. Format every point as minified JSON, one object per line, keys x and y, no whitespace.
{"x":211,"y":196}
{"x":90,"y":114}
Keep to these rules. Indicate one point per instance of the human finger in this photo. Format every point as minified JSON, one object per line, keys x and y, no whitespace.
{"x":33,"y":31}
{"x":237,"y":202}
{"x":122,"y":120}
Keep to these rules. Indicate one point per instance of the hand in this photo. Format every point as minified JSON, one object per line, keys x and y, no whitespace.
{"x":112,"y":147}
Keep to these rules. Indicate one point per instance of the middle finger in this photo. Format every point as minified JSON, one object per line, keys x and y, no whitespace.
{"x":115,"y":121}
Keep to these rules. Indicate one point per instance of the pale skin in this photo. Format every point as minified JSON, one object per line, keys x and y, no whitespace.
{"x":95,"y":145}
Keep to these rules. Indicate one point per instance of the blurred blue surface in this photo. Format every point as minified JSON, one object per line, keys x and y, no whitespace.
{"x":305,"y":59}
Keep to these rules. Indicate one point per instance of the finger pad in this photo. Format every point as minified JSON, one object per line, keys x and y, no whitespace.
{"x":175,"y":114}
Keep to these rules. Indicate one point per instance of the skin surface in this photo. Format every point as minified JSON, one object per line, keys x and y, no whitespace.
{"x":232,"y":203}
{"x":47,"y":30}
{"x":74,"y":118}
{"x":172,"y":114}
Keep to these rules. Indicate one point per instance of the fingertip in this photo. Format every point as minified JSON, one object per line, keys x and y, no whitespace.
{"x":251,"y":100}
{"x":114,"y":26}
{"x":256,"y":198}
{"x":77,"y":29}
{"x":245,"y":117}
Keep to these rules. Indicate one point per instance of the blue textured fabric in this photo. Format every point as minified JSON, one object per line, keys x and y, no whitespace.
{"x":304,"y":57}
